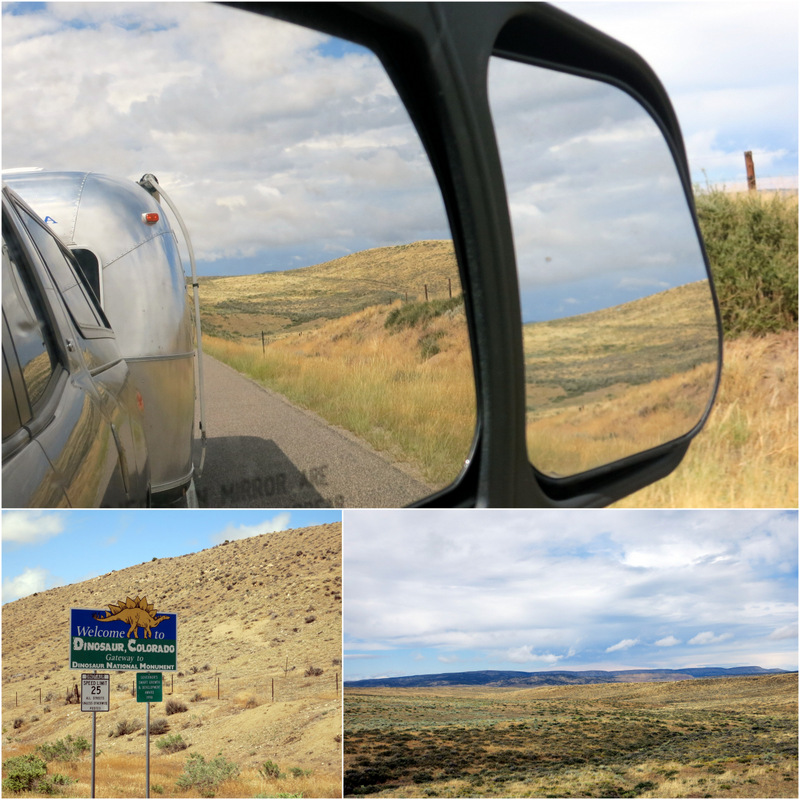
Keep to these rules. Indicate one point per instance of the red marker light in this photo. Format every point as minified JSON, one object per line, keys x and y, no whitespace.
{"x":150,"y":219}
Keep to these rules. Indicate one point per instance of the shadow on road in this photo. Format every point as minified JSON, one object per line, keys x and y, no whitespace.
{"x":248,"y":472}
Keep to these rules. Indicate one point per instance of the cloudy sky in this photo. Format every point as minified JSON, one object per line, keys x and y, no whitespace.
{"x":431,"y":591}
{"x":283,"y":147}
{"x":45,"y":549}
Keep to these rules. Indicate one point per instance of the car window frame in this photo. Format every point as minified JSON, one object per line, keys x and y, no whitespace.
{"x":101,"y":329}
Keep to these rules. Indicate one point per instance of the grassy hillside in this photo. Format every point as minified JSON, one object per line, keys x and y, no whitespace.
{"x":408,"y":390}
{"x":253,"y":614}
{"x":601,"y":386}
{"x":298,"y":299}
{"x":723,"y":737}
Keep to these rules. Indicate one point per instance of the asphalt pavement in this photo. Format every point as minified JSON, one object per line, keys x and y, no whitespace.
{"x":263,"y":452}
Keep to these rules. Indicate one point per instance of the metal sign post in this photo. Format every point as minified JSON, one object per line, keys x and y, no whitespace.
{"x":95,"y":696}
{"x":149,"y":689}
{"x":128,"y":635}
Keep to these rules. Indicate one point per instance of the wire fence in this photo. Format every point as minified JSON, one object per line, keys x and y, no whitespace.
{"x":291,"y":686}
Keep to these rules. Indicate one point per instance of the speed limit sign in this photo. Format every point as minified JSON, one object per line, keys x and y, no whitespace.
{"x":95,"y":691}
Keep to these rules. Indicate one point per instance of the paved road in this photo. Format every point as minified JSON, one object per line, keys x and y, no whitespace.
{"x":263,"y":452}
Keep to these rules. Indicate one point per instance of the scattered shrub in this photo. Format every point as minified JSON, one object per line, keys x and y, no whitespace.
{"x":68,"y":749}
{"x":205,"y":775}
{"x":752,"y":249}
{"x":126,"y":727}
{"x":159,"y":726}
{"x":171,"y":744}
{"x":415,"y":314}
{"x":269,"y":769}
{"x":24,"y":773}
{"x":175,"y":706}
{"x":18,"y":723}
{"x":314,"y":672}
{"x":28,"y":773}
{"x":297,"y":772}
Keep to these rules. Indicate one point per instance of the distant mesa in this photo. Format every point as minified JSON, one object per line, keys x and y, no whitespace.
{"x":510,"y":678}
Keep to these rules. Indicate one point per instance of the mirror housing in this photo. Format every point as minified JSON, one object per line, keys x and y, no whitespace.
{"x":438,"y":57}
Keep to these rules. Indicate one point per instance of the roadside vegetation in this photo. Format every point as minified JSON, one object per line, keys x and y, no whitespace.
{"x":746,"y":456}
{"x":350,"y":342}
{"x":398,"y":376}
{"x":31,"y":775}
{"x":751,"y":241}
{"x":730,"y":737}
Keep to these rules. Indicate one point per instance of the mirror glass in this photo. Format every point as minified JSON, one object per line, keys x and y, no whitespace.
{"x":619,"y":326}
{"x":337,"y":367}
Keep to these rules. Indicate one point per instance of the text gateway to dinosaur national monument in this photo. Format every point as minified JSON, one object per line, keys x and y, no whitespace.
{"x":129,"y":634}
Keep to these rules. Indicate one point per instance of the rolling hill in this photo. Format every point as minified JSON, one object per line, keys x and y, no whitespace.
{"x":499,"y":678}
{"x":259,"y":658}
{"x":301,"y":298}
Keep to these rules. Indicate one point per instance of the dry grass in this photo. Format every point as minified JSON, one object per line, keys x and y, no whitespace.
{"x":746,"y":456}
{"x":377,"y":384}
{"x":301,"y":299}
{"x":599,"y":387}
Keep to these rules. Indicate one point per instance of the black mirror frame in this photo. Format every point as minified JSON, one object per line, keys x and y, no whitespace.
{"x":437,"y":55}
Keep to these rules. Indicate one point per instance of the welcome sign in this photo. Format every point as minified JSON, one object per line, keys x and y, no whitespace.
{"x":129,"y":635}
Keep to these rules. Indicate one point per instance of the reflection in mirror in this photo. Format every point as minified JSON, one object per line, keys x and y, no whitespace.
{"x":619,"y":327}
{"x":326,"y":267}
{"x":355,"y":311}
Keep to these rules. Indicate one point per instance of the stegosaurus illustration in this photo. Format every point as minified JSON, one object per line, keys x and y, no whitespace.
{"x":137,"y":613}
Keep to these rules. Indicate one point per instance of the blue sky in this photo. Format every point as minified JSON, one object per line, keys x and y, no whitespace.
{"x":299,"y":152}
{"x":45,"y":549}
{"x":452,"y":591}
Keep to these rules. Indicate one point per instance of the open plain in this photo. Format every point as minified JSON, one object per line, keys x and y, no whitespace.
{"x":721,"y":737}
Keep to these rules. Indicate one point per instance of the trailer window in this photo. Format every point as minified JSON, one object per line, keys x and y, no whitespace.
{"x":89,"y":271}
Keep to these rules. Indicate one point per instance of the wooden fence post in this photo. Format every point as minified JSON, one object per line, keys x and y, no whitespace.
{"x":751,"y":170}
{"x":273,"y":690}
{"x":426,"y":292}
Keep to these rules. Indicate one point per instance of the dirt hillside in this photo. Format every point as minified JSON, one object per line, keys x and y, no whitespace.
{"x":253,"y":614}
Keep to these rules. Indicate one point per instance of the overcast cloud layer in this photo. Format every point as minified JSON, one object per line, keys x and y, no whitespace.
{"x":440,"y":591}
{"x":283,"y":148}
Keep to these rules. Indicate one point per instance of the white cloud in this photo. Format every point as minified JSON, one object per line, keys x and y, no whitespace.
{"x":280,"y":522}
{"x":709,"y":637}
{"x":31,"y":527}
{"x":33,"y":579}
{"x":668,"y":641}
{"x":625,"y":644}
{"x":784,"y":632}
{"x":525,"y":655}
{"x":218,"y":102}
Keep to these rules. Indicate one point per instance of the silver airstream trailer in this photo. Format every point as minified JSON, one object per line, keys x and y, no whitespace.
{"x":124,"y":243}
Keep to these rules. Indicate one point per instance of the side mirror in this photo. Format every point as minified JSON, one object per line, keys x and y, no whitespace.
{"x":619,"y":329}
{"x":593,"y":323}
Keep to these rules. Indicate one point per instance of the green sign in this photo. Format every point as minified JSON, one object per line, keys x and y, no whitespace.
{"x":148,"y":687}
